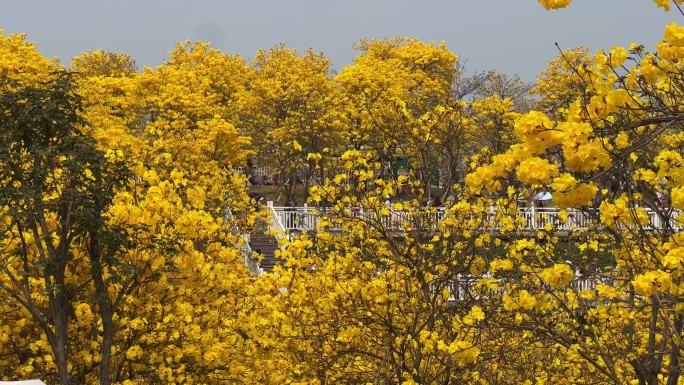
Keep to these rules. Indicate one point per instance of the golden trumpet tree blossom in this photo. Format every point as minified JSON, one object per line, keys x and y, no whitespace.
{"x":292,"y":109}
{"x":123,"y":224}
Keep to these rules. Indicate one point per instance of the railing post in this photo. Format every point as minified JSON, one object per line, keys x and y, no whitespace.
{"x":305,"y":219}
{"x":276,"y":224}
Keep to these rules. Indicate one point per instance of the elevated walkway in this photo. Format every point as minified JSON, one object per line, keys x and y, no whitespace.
{"x":286,"y":221}
{"x":301,"y":219}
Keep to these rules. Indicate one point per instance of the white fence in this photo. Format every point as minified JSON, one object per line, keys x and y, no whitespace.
{"x":287,"y":219}
{"x":260,"y":175}
{"x":463,"y":288}
{"x":248,"y":256}
{"x":307,"y":218}
{"x":538,"y":218}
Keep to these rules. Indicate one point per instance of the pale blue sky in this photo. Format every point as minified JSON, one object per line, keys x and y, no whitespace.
{"x":511,"y":36}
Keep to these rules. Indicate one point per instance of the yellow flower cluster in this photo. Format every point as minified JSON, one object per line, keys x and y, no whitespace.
{"x":557,"y":276}
{"x":674,"y":35}
{"x":554,"y":4}
{"x":523,"y":300}
{"x":622,"y":212}
{"x":652,"y":283}
{"x":569,"y":192}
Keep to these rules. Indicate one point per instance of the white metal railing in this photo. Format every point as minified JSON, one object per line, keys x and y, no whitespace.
{"x":248,"y":256}
{"x":534,"y":218}
{"x":656,"y":221}
{"x":589,"y":283}
{"x":261,"y":175}
{"x":276,"y":224}
{"x":294,"y":218}
{"x":307,"y":218}
{"x":463,"y":288}
{"x":537,"y":218}
{"x":245,"y":249}
{"x":287,"y":219}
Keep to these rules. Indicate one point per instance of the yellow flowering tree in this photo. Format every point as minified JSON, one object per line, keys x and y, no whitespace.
{"x":111,"y":279}
{"x":175,"y":125}
{"x":412,"y":101}
{"x":402,"y":92}
{"x":21,"y":64}
{"x":293,"y":109}
{"x":103,"y":63}
{"x":497,"y":101}
{"x":99,"y":266}
{"x":605,"y":146}
{"x":57,"y":190}
{"x":558,"y":85}
{"x":373,"y":295}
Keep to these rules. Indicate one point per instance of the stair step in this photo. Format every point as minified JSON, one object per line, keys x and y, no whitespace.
{"x":266,"y":245}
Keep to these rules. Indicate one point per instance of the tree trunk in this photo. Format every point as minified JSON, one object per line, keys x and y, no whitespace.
{"x":107,"y":328}
{"x":59,"y":306}
{"x":101,"y":292}
{"x":675,"y":370}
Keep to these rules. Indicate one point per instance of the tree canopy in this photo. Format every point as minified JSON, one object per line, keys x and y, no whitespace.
{"x":125,"y":217}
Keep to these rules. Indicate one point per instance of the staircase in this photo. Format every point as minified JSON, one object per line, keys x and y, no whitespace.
{"x":265,"y":245}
